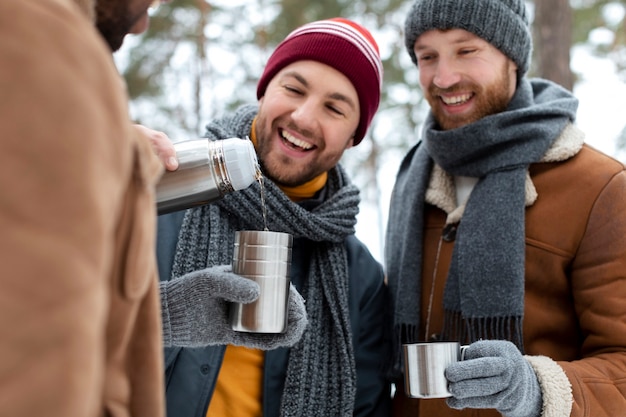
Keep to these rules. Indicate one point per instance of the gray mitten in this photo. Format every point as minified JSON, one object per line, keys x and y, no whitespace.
{"x":194,"y":311}
{"x":494,"y":374}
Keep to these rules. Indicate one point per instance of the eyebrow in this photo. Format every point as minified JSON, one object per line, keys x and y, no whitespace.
{"x":334,"y":96}
{"x":459,"y":39}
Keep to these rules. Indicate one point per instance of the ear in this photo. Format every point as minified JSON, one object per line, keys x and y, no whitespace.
{"x":350,"y":143}
{"x":512,"y":69}
{"x":512,"y":66}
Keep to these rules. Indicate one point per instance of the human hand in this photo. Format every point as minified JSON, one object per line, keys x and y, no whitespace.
{"x":161,"y":145}
{"x":195,"y":311}
{"x":494,"y":374}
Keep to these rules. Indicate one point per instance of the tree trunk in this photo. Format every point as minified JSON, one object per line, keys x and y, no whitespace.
{"x":552,"y":31}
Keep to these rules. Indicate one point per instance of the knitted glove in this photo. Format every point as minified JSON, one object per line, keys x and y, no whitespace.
{"x":194,"y":311}
{"x":494,"y":374}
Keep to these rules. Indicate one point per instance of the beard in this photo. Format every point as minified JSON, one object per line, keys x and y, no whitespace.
{"x":114,"y":20}
{"x":283,"y":170}
{"x":488,"y":100}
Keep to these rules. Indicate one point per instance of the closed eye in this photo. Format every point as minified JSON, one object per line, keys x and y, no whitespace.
{"x":341,"y":104}
{"x":425,"y":57}
{"x":335,"y":109}
{"x":292,"y":89}
{"x":467,"y":51}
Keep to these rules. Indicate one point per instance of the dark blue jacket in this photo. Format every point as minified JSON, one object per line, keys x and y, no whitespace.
{"x":191,"y":374}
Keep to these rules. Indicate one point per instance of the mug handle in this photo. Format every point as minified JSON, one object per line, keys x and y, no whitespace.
{"x":463,"y":348}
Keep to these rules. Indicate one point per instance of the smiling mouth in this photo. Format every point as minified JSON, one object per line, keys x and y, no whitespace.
{"x":294,"y":142}
{"x":456,"y":100}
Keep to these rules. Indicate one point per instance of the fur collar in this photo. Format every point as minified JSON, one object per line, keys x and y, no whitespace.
{"x":441,"y":189}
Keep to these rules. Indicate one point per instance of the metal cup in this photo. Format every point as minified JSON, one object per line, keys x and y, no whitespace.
{"x":265,"y":258}
{"x":424,"y":365}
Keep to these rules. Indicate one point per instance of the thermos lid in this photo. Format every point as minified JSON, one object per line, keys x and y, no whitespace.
{"x":240,"y":161}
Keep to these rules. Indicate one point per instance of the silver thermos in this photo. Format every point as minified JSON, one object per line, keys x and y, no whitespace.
{"x":207,"y":171}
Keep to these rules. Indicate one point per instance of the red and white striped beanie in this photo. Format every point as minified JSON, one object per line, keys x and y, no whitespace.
{"x":343,"y":45}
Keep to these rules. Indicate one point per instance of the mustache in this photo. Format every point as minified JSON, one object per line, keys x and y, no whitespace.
{"x":292,"y":126}
{"x":433,"y":90}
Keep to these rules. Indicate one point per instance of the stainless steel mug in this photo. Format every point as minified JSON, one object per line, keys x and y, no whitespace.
{"x":265,"y":258}
{"x":207,"y":170}
{"x":424,"y":365}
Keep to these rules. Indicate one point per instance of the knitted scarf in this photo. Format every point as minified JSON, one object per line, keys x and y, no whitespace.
{"x":321,"y":376}
{"x":484,"y":292}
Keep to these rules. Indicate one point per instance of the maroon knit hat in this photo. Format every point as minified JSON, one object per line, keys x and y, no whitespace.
{"x":343,"y":45}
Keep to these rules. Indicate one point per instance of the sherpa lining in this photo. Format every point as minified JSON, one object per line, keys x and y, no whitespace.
{"x":441,"y":192}
{"x":556,"y":388}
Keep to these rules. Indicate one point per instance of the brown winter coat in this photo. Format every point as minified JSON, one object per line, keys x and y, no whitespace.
{"x":79,"y":309}
{"x":575,"y":302}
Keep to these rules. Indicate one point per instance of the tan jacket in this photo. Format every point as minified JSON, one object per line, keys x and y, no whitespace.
{"x":575,"y":302}
{"x":79,"y":310}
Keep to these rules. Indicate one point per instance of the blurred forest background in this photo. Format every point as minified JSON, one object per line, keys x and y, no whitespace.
{"x":201,"y":58}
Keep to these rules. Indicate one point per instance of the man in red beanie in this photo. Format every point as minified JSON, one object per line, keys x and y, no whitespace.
{"x":316,"y":98}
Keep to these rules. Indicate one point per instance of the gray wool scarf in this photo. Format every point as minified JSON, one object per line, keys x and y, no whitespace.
{"x":484,"y":292}
{"x":321,"y":375}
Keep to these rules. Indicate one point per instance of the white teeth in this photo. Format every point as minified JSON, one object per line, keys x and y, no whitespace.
{"x":295,"y":141}
{"x":456,"y":99}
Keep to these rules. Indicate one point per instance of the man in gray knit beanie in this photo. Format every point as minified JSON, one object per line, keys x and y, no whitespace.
{"x":505,"y":230}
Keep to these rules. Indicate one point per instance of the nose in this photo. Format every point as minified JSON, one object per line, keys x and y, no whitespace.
{"x":306,"y":115}
{"x":446,"y":74}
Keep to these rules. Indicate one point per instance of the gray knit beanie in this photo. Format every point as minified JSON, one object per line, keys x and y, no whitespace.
{"x":502,"y":23}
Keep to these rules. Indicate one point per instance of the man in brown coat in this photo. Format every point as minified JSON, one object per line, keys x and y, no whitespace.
{"x":506,"y":230}
{"x":79,"y":306}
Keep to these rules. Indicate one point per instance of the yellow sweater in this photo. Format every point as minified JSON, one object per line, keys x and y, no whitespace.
{"x":238,"y":391}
